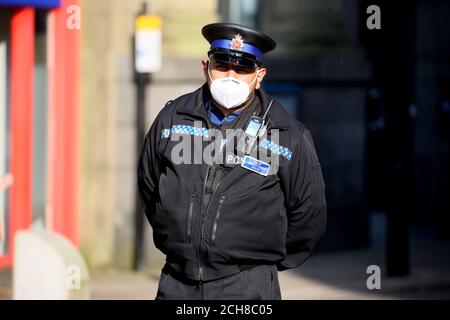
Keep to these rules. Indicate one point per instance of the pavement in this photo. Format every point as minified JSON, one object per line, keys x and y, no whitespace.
{"x":328,"y":275}
{"x":331,"y":276}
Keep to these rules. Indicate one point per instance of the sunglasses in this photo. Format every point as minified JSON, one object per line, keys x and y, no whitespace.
{"x":232,"y":57}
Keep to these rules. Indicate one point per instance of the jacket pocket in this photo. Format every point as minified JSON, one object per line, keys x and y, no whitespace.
{"x":188,"y":232}
{"x":216,"y":220}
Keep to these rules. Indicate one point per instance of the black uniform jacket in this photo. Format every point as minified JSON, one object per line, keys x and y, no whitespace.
{"x":250,"y":218}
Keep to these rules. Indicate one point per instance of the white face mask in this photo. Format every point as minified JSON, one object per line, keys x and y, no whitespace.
{"x":230,"y":92}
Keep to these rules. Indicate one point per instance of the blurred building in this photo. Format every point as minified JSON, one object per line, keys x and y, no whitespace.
{"x":108,"y":181}
{"x":39,"y":106}
{"x":67,"y":95}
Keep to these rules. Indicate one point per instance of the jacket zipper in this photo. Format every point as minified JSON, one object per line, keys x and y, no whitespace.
{"x":202,"y":222}
{"x":216,"y":219}
{"x":200,"y":248}
{"x":200,"y":262}
{"x":189,"y":219}
{"x":202,"y":233}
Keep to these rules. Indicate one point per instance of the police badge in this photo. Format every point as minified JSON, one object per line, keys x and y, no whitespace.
{"x":237,"y":43}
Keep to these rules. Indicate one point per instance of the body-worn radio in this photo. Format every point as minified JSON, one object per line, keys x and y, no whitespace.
{"x":254,"y":128}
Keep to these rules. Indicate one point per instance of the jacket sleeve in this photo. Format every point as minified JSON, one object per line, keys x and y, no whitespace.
{"x":305,"y":202}
{"x":148,"y":169}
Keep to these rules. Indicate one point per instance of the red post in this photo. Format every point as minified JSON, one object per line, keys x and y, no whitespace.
{"x":63,"y":120}
{"x":22,"y":94}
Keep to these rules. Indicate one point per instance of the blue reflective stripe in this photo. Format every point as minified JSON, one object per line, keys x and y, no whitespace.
{"x":273,"y":147}
{"x":225,"y":44}
{"x":165,"y":133}
{"x":185,"y":129}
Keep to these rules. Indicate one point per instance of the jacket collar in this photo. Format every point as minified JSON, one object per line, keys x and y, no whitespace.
{"x":194,"y":106}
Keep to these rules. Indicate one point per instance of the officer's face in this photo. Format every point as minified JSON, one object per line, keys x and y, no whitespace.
{"x":222,"y":70}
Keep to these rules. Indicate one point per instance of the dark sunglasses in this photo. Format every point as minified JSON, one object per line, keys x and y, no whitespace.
{"x":234,"y":58}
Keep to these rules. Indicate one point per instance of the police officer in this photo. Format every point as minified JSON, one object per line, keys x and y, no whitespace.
{"x":229,"y":181}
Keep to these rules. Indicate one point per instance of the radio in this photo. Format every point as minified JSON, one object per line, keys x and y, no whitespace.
{"x":254,"y":128}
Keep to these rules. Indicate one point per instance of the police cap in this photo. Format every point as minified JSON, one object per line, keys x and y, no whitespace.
{"x":236,"y":44}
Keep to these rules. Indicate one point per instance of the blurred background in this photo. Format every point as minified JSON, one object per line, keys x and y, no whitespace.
{"x":371,"y":83}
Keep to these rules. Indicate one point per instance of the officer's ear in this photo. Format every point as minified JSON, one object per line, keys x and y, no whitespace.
{"x":260,"y":77}
{"x":205,"y":69}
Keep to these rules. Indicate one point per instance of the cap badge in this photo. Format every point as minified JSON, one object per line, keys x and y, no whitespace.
{"x":237,"y":43}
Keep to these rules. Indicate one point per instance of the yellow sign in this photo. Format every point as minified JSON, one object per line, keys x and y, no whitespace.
{"x":148,"y":22}
{"x":148,"y":39}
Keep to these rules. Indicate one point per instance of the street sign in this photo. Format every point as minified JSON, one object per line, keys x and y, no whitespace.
{"x":147,"y":44}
